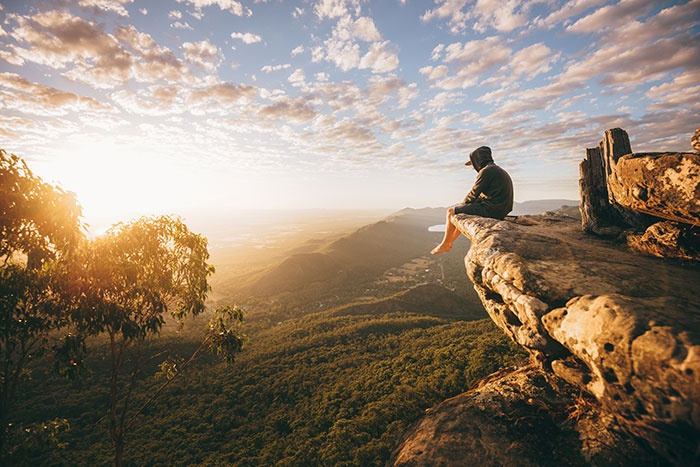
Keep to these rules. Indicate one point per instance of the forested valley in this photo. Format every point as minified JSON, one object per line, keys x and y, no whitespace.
{"x":346,"y":338}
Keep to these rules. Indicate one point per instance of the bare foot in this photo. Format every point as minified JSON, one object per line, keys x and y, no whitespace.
{"x":441,"y":248}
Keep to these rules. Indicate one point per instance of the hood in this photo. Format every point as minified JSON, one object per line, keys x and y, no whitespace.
{"x":480,"y":158}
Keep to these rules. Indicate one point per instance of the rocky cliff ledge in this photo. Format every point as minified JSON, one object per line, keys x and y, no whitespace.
{"x":614,"y":339}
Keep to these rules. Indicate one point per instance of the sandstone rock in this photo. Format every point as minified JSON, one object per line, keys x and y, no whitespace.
{"x":624,"y":328}
{"x":523,"y":417}
{"x":668,"y":240}
{"x":665,"y":185}
{"x":695,"y":140}
{"x":597,"y":319}
{"x":642,"y":354}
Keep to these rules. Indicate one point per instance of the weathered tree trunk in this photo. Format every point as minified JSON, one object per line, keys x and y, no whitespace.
{"x":615,"y":144}
{"x":597,"y":215}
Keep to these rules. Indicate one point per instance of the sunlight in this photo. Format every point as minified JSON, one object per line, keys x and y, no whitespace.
{"x":118,"y":180}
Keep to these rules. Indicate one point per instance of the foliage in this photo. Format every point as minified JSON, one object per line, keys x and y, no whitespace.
{"x":39,"y":227}
{"x":125,"y":284}
{"x":24,"y":441}
{"x":323,"y":389}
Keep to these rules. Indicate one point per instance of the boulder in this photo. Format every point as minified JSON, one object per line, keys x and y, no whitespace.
{"x":523,"y":417}
{"x":622,"y":327}
{"x":668,"y":240}
{"x":664,"y":185}
{"x":614,"y":337}
{"x":695,"y":140}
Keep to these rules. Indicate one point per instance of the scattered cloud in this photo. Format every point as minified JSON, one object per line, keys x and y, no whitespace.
{"x":467,"y":64}
{"x":203,"y":54}
{"x":297,"y":78}
{"x":271,"y":68}
{"x":344,"y":50}
{"x":336,"y":8}
{"x":44,"y":100}
{"x":287,"y":109}
{"x":116,"y":6}
{"x":354,"y":92}
{"x":232,"y":6}
{"x":246,"y":37}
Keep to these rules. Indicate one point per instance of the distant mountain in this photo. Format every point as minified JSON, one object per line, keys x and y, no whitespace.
{"x":541,"y":205}
{"x":363,"y":254}
{"x":346,"y":266}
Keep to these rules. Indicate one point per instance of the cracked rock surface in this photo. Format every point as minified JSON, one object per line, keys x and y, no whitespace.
{"x":620,"y":328}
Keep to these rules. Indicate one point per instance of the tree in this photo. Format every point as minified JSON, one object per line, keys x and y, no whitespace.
{"x":39,"y":228}
{"x":127,"y":283}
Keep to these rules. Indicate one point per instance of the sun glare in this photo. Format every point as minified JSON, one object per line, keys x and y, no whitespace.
{"x":117,"y":181}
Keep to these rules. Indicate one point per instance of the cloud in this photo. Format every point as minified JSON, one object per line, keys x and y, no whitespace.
{"x":467,"y":63}
{"x":612,"y":16}
{"x":364,"y":29}
{"x":271,"y":68}
{"x":34,"y":98}
{"x":343,"y":48}
{"x":246,"y":37}
{"x":681,"y":91}
{"x":449,"y":9}
{"x":298,"y":50}
{"x":221,"y":95}
{"x":501,"y":15}
{"x":84,"y":52}
{"x":568,"y":11}
{"x":379,"y":58}
{"x":530,"y":62}
{"x":203,"y":54}
{"x":234,"y":7}
{"x":150,"y":62}
{"x":381,"y":87}
{"x":297,"y":78}
{"x":157,"y":100}
{"x":181,"y":25}
{"x":58,"y":39}
{"x":335,"y":8}
{"x":116,"y":6}
{"x":289,"y":109}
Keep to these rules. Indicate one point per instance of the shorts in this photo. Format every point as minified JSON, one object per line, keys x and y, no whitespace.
{"x":478,"y":209}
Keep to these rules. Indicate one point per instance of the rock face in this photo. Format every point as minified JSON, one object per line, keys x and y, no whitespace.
{"x":626,"y":192}
{"x":695,"y":140}
{"x":614,"y":336}
{"x":665,"y":185}
{"x":522,"y":418}
{"x":623,"y":328}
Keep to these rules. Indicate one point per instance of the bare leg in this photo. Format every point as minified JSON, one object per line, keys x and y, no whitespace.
{"x":451,"y":234}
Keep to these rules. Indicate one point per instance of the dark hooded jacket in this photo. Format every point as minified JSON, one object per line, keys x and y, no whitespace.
{"x":493,"y":188}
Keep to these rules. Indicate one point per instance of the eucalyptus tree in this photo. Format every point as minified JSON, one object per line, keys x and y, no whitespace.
{"x":40,"y":228}
{"x":128,"y":282}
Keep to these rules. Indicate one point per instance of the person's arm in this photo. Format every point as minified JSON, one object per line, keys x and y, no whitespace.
{"x":477,"y":189}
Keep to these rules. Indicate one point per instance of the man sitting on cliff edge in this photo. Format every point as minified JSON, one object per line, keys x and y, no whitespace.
{"x":491,"y":195}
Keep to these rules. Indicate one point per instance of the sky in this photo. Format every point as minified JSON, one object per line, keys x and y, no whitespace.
{"x":210,"y":106}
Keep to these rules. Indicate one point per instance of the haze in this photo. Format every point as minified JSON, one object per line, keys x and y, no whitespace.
{"x":205,"y":107}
